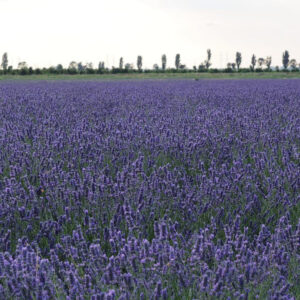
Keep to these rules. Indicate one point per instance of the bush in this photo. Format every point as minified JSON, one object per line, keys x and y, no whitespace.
{"x":90,"y":71}
{"x":213,"y":70}
{"x":23,"y":71}
{"x":72,"y":71}
{"x":52,"y":70}
{"x":244,"y":70}
{"x":228,"y":70}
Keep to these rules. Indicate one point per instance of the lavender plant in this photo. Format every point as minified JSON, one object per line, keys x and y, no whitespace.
{"x":150,"y":190}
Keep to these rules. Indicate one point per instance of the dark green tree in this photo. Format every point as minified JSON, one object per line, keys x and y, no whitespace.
{"x":139,"y":63}
{"x":155,"y":67}
{"x":22,"y":65}
{"x":121,"y":63}
{"x":73,"y":67}
{"x":207,"y":62}
{"x":163,"y":61}
{"x":4,"y":63}
{"x":177,"y":61}
{"x":59,"y":68}
{"x":238,"y":60}
{"x":101,"y":66}
{"x":285,"y":59}
{"x":268,"y":62}
{"x":23,"y":68}
{"x":253,"y":62}
{"x":128,"y":66}
{"x":201,"y":67}
{"x":89,"y":68}
{"x":81,"y":67}
{"x":261,"y":62}
{"x":293,"y":64}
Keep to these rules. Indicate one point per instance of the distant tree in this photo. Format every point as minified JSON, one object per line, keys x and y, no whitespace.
{"x":293,"y":64}
{"x":261,"y":62}
{"x":163,"y":61}
{"x":101,"y":66}
{"x":177,"y":61}
{"x":22,"y":65}
{"x":155,"y":67}
{"x":59,"y":68}
{"x":268,"y":62}
{"x":139,"y":63}
{"x":207,"y":62}
{"x":231,"y":67}
{"x":201,"y":67}
{"x":38,"y":71}
{"x":121,"y":63}
{"x":72,"y":67}
{"x":23,"y":68}
{"x":253,"y":62}
{"x":128,"y":66}
{"x":89,"y":65}
{"x":51,"y":70}
{"x":81,"y":67}
{"x":4,"y":63}
{"x":89,"y":68}
{"x":285,"y":59}
{"x":182,"y":67}
{"x":238,"y":59}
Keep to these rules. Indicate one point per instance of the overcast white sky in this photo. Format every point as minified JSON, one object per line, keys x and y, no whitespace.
{"x":48,"y":32}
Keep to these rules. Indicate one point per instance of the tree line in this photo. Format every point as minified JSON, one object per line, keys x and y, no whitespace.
{"x":256,"y":65}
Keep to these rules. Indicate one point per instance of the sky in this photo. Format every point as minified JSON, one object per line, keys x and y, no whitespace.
{"x":49,"y":32}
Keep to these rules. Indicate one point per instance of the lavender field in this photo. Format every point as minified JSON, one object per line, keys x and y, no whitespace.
{"x":150,"y":190}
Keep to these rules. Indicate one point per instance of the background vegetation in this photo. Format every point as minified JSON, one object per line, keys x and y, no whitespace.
{"x":256,"y":66}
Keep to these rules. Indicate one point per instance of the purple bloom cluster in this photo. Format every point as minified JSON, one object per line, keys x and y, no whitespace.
{"x":150,"y":190}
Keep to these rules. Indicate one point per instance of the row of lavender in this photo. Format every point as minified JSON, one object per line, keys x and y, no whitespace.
{"x":150,"y":190}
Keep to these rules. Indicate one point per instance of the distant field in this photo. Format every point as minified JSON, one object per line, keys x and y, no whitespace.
{"x":273,"y":75}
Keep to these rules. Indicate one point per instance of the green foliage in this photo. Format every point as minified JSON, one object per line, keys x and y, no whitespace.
{"x":285,"y":59}
{"x":177,"y":61}
{"x":208,"y":60}
{"x":139,"y":63}
{"x":163,"y":62}
{"x":4,"y":63}
{"x":238,"y":59}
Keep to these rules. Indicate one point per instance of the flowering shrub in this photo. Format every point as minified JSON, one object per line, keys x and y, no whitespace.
{"x":150,"y":190}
